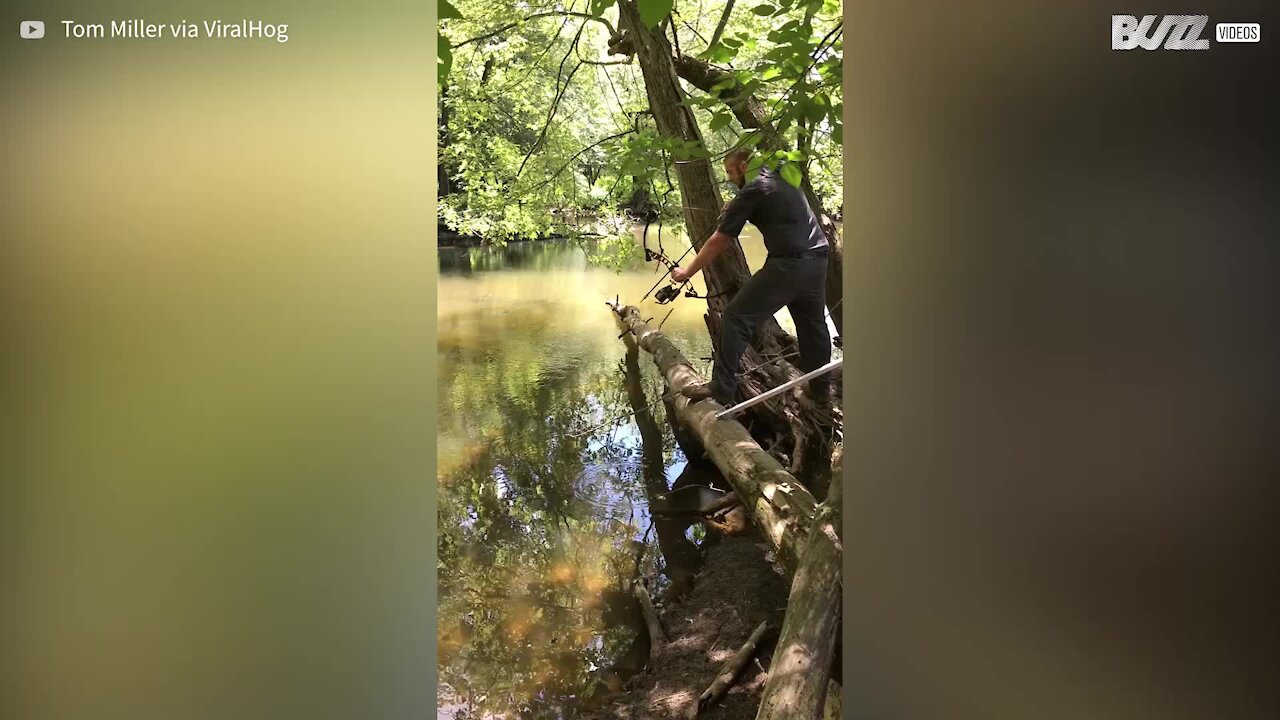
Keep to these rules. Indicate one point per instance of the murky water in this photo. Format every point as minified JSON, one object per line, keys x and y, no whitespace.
{"x":553,"y":448}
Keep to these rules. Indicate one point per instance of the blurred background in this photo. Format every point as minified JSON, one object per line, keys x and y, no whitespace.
{"x":1061,"y":387}
{"x":218,"y":301}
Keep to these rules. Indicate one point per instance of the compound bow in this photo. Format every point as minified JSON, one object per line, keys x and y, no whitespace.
{"x":671,"y":292}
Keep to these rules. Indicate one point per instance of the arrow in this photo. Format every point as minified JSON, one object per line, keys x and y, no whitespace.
{"x":780,"y":389}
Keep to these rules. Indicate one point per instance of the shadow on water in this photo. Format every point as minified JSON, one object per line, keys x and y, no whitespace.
{"x":561,"y":483}
{"x":540,"y":255}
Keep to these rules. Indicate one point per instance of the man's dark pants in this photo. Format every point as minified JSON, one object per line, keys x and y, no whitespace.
{"x":796,"y":283}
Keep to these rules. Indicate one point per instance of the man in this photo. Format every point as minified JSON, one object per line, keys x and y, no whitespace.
{"x":794,"y":276}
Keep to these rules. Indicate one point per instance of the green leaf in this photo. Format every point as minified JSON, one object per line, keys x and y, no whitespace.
{"x":444,"y":58}
{"x":726,"y":83}
{"x":447,"y":10}
{"x":791,"y":174}
{"x":755,"y":162}
{"x":719,"y":121}
{"x":778,"y":54}
{"x":599,"y":6}
{"x":764,"y":10}
{"x":652,"y":11}
{"x":771,"y":72}
{"x":795,"y":156}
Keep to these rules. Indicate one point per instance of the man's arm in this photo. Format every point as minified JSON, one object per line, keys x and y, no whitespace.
{"x":735,"y":216}
{"x":711,"y":249}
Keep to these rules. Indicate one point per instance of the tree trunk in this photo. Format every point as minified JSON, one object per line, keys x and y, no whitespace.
{"x":801,"y":667}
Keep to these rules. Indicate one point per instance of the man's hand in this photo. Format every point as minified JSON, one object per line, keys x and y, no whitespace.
{"x":680,"y":274}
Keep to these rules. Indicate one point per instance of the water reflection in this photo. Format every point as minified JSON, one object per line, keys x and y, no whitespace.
{"x":553,"y":448}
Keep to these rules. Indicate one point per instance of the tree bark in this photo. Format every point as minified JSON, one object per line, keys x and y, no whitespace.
{"x":801,"y":667}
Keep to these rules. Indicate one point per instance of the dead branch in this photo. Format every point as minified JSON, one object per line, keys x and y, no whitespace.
{"x":657,"y":637}
{"x":729,"y":671}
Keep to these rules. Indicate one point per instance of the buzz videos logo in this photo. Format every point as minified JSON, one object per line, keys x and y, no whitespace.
{"x":1176,"y":32}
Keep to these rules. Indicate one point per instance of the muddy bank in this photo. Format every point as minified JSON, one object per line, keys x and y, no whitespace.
{"x":737,"y":588}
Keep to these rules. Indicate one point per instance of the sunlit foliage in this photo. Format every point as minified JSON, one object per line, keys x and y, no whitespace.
{"x":545,"y":131}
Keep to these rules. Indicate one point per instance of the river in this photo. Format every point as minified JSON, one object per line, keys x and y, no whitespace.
{"x":547,"y":473}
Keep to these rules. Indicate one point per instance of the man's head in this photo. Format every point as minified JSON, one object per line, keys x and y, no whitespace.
{"x":735,"y":165}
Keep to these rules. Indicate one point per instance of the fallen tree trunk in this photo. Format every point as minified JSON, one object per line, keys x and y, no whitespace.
{"x":729,"y":671}
{"x":780,"y":507}
{"x":801,"y":667}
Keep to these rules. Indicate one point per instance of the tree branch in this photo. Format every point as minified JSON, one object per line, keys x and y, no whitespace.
{"x":724,"y":20}
{"x":578,"y":54}
{"x":692,"y":29}
{"x":535,"y":16}
{"x":555,"y":102}
{"x":578,"y":154}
